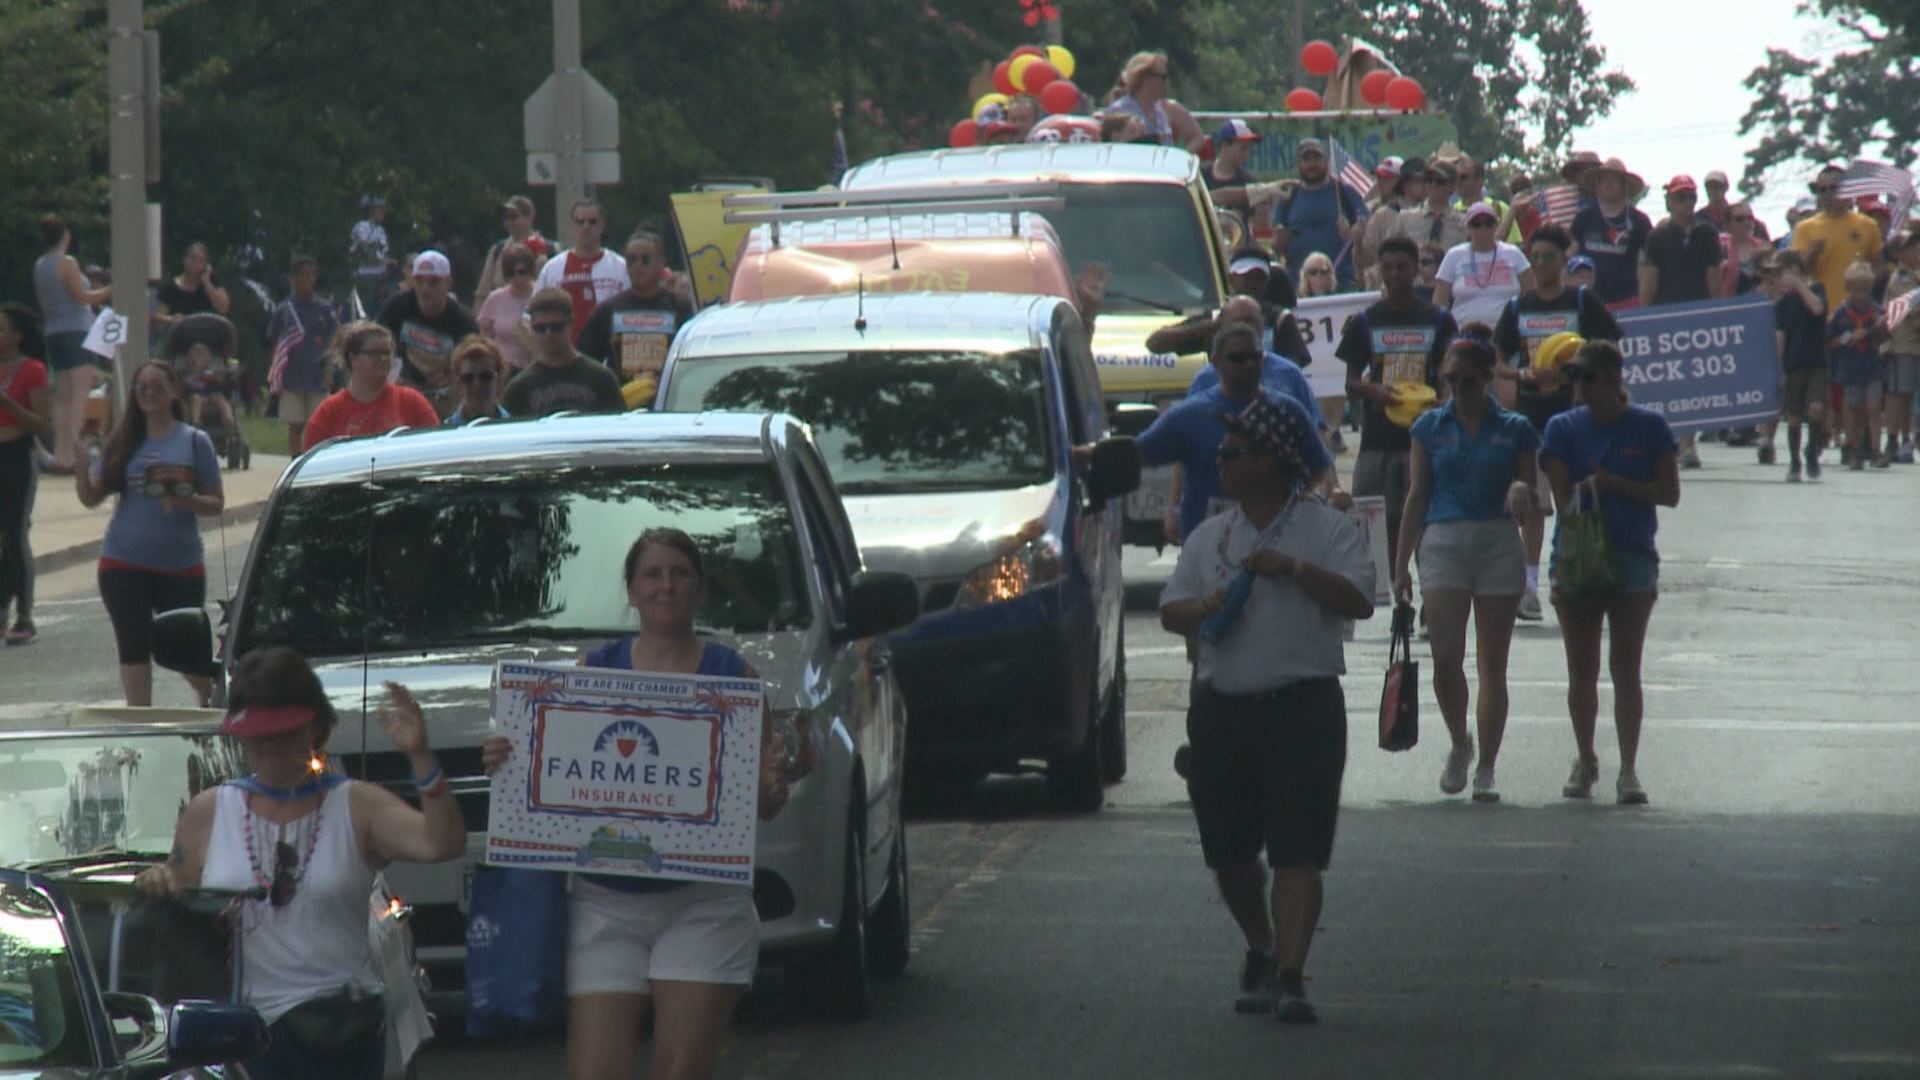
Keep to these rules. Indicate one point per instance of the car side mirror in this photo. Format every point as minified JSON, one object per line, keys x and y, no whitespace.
{"x":183,"y":642}
{"x":213,"y":1033}
{"x":1113,"y":470}
{"x":1132,"y":418}
{"x":880,"y":601}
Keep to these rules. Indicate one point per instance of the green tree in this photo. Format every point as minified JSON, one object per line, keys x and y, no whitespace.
{"x":52,"y":91}
{"x":1866,"y":93}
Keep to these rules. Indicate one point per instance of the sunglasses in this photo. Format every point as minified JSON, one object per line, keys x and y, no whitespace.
{"x":1740,"y":219}
{"x":482,"y":377}
{"x":586,"y":221}
{"x":1482,"y":223}
{"x":1229,"y":454}
{"x":1547,"y":256}
{"x":379,"y":354}
{"x":643,"y":258}
{"x":1319,"y":271}
{"x":549,"y":327}
{"x":179,"y":489}
{"x":1240,"y":357}
{"x":285,"y":862}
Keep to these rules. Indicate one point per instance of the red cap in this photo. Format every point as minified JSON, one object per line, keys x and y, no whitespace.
{"x":1680,"y":183}
{"x":258,"y":720}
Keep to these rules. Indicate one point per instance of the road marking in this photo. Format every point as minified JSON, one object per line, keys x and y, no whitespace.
{"x":1696,"y":723}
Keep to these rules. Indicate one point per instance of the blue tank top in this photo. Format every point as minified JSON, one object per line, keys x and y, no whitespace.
{"x":60,"y":313}
{"x":715,"y":659}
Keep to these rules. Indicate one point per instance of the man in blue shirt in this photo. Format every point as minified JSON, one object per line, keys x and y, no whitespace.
{"x":1322,"y":215}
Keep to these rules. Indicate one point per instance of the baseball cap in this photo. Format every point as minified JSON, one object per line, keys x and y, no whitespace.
{"x":255,"y":721}
{"x":1236,"y":130}
{"x":1578,"y":263}
{"x":1804,"y":205}
{"x":1388,"y":168}
{"x":519,"y":204}
{"x":1718,"y":177}
{"x":432,"y":264}
{"x":1313,"y":145}
{"x":1482,"y":209}
{"x":1680,"y":183}
{"x":1250,"y":263}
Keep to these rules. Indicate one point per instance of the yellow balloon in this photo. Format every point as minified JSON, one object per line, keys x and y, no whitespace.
{"x":995,"y":98}
{"x":1061,"y":59}
{"x":1017,"y":71}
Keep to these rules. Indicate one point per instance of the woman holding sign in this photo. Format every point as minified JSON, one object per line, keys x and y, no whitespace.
{"x":684,"y":950}
{"x":166,"y":473}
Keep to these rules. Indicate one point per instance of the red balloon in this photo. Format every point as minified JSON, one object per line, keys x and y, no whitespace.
{"x":1060,"y":96}
{"x":1373,"y":88}
{"x":1305,"y":100}
{"x":1405,"y":94}
{"x":1040,"y":75}
{"x":1319,"y":58}
{"x":1028,"y":50}
{"x":1003,"y":78}
{"x":965,"y":133}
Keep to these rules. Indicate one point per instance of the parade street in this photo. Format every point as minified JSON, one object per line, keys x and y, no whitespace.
{"x":1761,"y":918}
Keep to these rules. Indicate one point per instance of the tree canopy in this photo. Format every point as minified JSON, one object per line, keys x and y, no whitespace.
{"x":1819,"y":109}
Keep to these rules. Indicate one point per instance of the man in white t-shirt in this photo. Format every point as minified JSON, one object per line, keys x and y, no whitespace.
{"x":1477,"y":278}
{"x":589,"y":273}
{"x":1268,"y":721}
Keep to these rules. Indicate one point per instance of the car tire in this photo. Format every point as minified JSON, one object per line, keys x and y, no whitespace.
{"x":836,"y":978}
{"x":1076,"y":783}
{"x":890,"y":927}
{"x":1113,"y":725}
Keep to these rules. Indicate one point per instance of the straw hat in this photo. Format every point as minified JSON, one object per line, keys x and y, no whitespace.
{"x":1580,"y":162}
{"x":1590,"y":179}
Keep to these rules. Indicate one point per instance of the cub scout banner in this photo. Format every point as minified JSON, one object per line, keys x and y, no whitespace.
{"x":1704,"y":366}
{"x":622,"y":772}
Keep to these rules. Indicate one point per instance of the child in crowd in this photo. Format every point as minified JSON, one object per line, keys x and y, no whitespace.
{"x":1854,"y":336}
{"x":1903,"y":348}
{"x":1579,"y":272}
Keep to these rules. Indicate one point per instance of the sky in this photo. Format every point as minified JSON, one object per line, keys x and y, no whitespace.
{"x":1685,"y":115}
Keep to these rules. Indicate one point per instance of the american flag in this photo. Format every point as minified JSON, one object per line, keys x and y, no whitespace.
{"x":1900,"y":307}
{"x":1875,"y":178}
{"x":1558,"y":204}
{"x":1351,"y":173}
{"x":290,"y":339}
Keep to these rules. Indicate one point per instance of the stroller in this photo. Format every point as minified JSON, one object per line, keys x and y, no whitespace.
{"x":201,"y":348}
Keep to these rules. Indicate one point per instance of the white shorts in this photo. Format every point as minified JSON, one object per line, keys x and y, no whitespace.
{"x":1484,"y":558}
{"x":618,"y":942}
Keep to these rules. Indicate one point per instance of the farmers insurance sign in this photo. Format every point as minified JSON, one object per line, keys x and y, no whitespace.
{"x":1704,"y":366}
{"x":626,"y":772}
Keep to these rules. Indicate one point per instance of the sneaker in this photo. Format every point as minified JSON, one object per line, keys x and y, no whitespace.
{"x":1294,"y":1010}
{"x":1453,"y":779}
{"x":1530,"y":606}
{"x":1690,"y":458}
{"x":22,"y":633}
{"x":1813,"y":466}
{"x":1628,"y":789}
{"x":1483,"y":785}
{"x":1580,"y":781}
{"x":1793,"y":474}
{"x":1904,"y":455}
{"x":1257,"y":987}
{"x":1882,"y":461}
{"x":1766,"y":454}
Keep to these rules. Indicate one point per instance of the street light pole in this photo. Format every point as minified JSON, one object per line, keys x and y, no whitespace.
{"x":127,"y":162}
{"x":569,"y":115}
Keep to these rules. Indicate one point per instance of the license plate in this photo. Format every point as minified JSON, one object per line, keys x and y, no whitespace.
{"x":1148,"y":502}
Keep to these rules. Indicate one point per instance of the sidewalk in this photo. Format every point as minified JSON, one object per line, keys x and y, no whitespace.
{"x":66,"y":533}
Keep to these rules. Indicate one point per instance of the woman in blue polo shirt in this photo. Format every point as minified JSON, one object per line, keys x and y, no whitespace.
{"x":1629,"y":455}
{"x":1470,"y":475}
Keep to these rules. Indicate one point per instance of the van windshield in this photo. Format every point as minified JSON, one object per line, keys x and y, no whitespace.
{"x":508,"y":554}
{"x":892,"y":422}
{"x":1148,"y":236}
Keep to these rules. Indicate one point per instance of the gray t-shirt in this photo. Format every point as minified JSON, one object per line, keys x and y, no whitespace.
{"x":582,"y":386}
{"x":1283,"y":635}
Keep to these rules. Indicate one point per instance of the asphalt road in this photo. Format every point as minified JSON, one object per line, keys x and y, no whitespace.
{"x":1760,"y":919}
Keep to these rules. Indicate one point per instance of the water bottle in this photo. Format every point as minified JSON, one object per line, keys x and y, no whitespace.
{"x":1221,"y":621}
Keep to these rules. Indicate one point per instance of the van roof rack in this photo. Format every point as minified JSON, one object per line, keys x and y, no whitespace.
{"x":775,"y":208}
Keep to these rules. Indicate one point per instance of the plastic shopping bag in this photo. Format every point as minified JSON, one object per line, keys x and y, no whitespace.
{"x":516,"y":951}
{"x":408,"y":1025}
{"x":1584,"y":566}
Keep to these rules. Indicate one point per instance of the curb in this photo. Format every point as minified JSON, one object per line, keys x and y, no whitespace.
{"x":59,"y":559}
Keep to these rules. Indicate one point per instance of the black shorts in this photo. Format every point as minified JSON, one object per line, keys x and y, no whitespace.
{"x":1266,"y":773}
{"x":133,"y":597}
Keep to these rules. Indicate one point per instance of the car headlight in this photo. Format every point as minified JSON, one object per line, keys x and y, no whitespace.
{"x":1026,"y":565}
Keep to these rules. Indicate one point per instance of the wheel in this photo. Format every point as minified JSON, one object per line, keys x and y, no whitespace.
{"x":1113,"y":724}
{"x":890,"y":927}
{"x":1076,"y":783}
{"x":835,"y":980}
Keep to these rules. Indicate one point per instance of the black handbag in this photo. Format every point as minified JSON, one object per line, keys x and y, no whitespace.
{"x":1400,"y":696}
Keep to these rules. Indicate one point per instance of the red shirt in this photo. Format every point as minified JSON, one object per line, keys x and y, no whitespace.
{"x":344,"y":414}
{"x":29,"y":376}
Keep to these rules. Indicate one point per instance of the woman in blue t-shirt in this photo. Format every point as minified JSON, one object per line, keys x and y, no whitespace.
{"x":167,"y":475}
{"x":687,"y":951}
{"x":1629,"y":455}
{"x":1469,"y":476}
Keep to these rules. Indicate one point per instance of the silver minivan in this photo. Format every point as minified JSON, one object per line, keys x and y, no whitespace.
{"x":425,"y":557}
{"x":951,"y":422}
